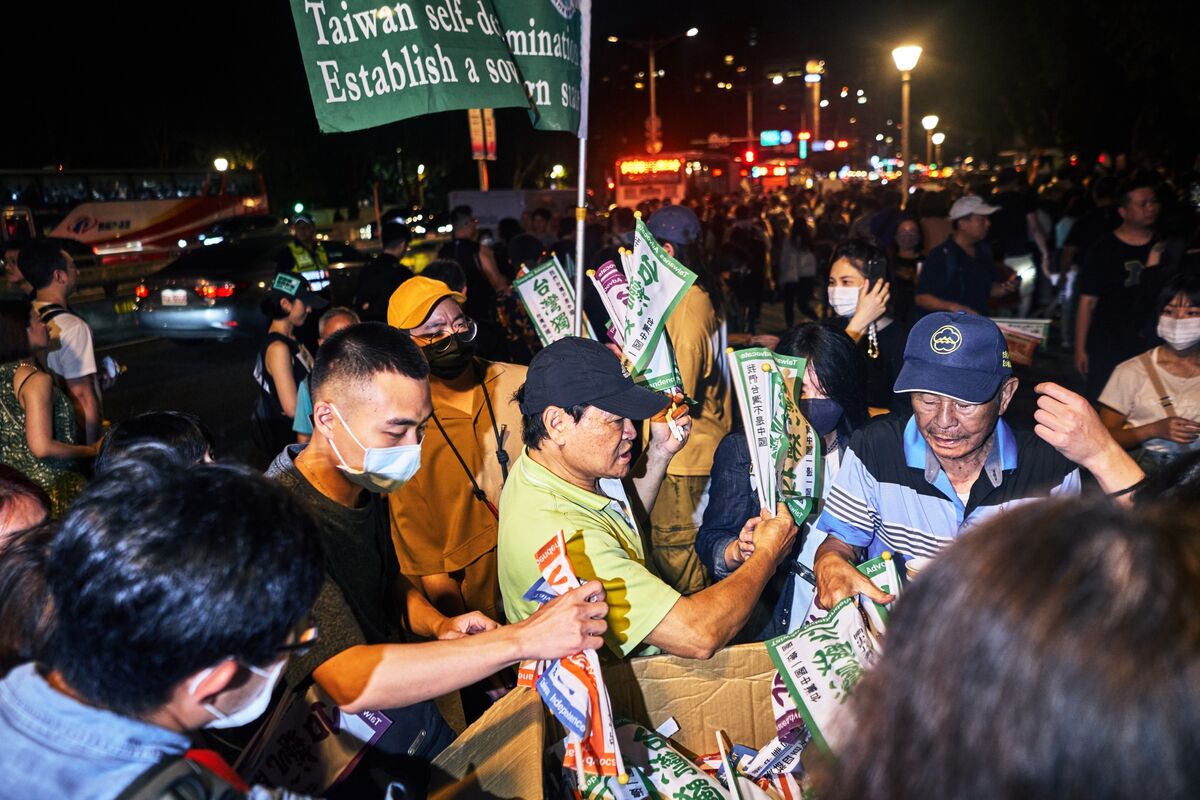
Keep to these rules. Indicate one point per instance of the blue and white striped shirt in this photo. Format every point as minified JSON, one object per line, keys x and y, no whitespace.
{"x":892,"y":494}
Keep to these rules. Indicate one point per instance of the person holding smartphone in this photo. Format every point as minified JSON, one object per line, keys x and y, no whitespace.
{"x":860,"y":295}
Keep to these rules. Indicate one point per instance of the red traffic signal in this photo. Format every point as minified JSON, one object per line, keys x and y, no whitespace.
{"x":842,"y":144}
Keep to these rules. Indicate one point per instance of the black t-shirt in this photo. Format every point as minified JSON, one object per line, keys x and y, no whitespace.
{"x":1112,"y":272}
{"x":1009,"y":233}
{"x":380,"y":278}
{"x":356,"y":604}
{"x":1090,"y":227}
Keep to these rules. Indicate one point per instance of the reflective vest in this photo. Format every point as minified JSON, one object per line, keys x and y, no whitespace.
{"x":303,"y":260}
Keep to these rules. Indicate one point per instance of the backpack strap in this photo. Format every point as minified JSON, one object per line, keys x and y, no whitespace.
{"x":185,"y":776}
{"x":1147,"y":360}
{"x":52,"y":310}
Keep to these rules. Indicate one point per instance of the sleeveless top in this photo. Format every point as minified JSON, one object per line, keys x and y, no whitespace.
{"x":58,"y":476}
{"x":301,"y":366}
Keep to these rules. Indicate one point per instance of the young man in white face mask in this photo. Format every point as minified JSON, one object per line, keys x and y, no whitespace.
{"x":173,"y":613}
{"x":1152,"y":402}
{"x":371,"y":405}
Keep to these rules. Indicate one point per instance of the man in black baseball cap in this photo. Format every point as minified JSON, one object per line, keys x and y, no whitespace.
{"x":578,"y":407}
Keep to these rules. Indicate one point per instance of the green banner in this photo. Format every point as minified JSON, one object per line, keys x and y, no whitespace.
{"x":370,"y":64}
{"x":546,"y":38}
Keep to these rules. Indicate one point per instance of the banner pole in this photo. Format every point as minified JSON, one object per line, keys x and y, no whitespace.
{"x":580,"y":216}
{"x":585,"y":65}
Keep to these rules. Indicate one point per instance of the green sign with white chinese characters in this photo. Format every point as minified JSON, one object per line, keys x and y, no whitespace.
{"x":370,"y":64}
{"x":545,"y":38}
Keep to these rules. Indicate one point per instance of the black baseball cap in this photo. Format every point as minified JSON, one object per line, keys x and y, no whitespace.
{"x":575,"y":371}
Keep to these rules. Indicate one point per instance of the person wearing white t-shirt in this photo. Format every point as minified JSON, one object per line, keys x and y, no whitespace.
{"x":1153,"y":401}
{"x":53,"y":275}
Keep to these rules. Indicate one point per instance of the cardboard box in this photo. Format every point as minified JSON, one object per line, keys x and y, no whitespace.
{"x":503,"y":754}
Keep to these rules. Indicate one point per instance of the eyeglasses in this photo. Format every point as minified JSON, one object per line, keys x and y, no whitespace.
{"x":464,"y":330}
{"x":304,"y":642}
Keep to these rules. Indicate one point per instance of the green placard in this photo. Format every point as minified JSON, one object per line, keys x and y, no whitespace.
{"x":370,"y":64}
{"x":544,"y":37}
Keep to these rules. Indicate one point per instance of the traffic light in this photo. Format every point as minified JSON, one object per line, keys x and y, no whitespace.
{"x":749,"y":156}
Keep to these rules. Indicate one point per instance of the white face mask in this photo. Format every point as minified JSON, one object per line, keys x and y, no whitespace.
{"x":384,"y":469}
{"x":1179,"y":333}
{"x":249,"y":712}
{"x":844,"y":300}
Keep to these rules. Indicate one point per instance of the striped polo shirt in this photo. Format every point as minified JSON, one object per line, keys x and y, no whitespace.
{"x":892,"y":494}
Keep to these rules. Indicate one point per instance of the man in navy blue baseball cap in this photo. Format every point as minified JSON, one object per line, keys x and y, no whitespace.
{"x":911,"y":486}
{"x":956,"y":355}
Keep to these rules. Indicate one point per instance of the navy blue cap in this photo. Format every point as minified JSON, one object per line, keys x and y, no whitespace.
{"x":675,"y":224}
{"x":957,"y":355}
{"x":575,"y":371}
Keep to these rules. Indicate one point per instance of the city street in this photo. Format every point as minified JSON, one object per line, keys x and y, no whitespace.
{"x":213,"y":380}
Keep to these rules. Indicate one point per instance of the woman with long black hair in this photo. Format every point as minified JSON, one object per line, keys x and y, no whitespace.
{"x":834,"y":402}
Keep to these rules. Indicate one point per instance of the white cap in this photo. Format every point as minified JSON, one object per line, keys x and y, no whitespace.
{"x":971,"y":204}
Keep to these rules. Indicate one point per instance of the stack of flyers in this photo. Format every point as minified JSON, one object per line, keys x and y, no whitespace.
{"x":785,"y":456}
{"x":573,"y":688}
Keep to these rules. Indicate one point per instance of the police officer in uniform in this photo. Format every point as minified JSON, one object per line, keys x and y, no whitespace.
{"x":305,"y":255}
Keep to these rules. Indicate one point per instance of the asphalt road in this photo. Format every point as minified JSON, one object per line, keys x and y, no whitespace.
{"x":212,"y":380}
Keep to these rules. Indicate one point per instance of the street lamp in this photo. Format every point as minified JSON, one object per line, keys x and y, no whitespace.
{"x":906,"y":57}
{"x":421,"y":186}
{"x":929,"y":122}
{"x":220,"y":164}
{"x":653,"y":126}
{"x":938,"y":138}
{"x":812,"y":76}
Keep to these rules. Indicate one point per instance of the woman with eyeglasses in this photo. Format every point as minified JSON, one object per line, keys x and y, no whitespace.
{"x":444,"y":520}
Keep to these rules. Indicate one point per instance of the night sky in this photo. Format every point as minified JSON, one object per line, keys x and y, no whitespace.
{"x":151,"y":84}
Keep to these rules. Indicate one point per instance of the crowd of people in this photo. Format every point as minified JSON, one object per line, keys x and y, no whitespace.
{"x":425,"y":446}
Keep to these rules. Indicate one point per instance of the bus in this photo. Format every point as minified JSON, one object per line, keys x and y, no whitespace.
{"x":673,"y":176}
{"x":132,"y":216}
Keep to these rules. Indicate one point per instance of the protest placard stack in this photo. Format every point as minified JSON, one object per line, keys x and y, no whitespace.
{"x":640,"y":296}
{"x":785,"y":457}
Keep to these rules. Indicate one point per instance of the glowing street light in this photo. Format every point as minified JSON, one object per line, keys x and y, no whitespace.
{"x":906,"y":57}
{"x":693,"y":31}
{"x":929,"y":122}
{"x":938,"y":138}
{"x":220,"y":164}
{"x":778,"y":79}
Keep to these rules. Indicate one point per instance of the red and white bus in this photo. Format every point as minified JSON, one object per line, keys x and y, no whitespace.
{"x":673,"y":176}
{"x":132,"y":216}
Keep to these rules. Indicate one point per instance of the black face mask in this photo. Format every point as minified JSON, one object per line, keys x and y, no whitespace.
{"x":448,"y":358}
{"x":823,"y":414}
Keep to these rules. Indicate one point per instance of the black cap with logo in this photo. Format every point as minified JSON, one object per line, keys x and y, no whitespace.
{"x":575,"y":371}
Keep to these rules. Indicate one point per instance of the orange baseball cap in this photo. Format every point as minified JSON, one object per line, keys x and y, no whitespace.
{"x":414,"y":301}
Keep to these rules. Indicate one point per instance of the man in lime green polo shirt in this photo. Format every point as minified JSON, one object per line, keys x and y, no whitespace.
{"x":578,"y":408}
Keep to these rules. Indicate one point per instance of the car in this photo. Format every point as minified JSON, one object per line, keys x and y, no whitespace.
{"x":421,"y":252}
{"x":214,"y":292}
{"x":233,"y":228}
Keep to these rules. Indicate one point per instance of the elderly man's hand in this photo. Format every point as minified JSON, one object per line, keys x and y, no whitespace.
{"x":1068,"y":423}
{"x":663,"y":441}
{"x":775,"y":534}
{"x":838,"y":579}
